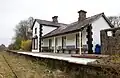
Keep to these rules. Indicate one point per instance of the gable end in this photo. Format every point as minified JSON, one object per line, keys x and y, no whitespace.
{"x":108,"y":21}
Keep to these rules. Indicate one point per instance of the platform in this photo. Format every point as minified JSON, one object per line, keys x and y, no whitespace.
{"x":64,"y":57}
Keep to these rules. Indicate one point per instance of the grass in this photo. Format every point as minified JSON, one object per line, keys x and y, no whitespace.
{"x":110,"y":65}
{"x":113,"y":60}
{"x":26,"y":68}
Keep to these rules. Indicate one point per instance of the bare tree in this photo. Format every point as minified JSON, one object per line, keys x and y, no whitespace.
{"x":30,"y":24}
{"x":30,"y":21}
{"x":23,"y":32}
{"x":23,"y":29}
{"x":115,"y":20}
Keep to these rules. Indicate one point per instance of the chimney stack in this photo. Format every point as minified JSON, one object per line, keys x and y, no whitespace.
{"x":55,"y":19}
{"x":82,"y":15}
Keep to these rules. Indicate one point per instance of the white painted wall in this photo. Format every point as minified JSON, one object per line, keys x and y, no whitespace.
{"x":45,"y":42}
{"x":52,"y":42}
{"x":47,"y":29}
{"x":36,"y":25}
{"x":71,"y":39}
{"x":59,"y":41}
{"x":84,"y":39}
{"x":98,"y":25}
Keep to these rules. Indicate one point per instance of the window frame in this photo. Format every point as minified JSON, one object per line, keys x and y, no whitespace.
{"x":35,"y":43}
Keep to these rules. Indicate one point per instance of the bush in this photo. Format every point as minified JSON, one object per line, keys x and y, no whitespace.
{"x":17,"y":43}
{"x":26,"y":45}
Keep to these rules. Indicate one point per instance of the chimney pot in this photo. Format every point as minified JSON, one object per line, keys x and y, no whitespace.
{"x":82,"y":15}
{"x":55,"y":19}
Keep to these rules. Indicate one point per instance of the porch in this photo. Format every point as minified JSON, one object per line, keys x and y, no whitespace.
{"x":72,"y":43}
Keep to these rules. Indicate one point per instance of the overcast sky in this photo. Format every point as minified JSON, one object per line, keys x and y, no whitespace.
{"x":12,"y":11}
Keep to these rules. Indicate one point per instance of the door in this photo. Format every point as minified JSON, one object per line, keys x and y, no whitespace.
{"x":50,"y":43}
{"x":63,"y":42}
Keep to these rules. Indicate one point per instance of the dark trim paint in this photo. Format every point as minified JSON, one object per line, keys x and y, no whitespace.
{"x":40,"y":36}
{"x":90,"y":39}
{"x":33,"y":24}
{"x":62,"y":45}
{"x":108,"y":21}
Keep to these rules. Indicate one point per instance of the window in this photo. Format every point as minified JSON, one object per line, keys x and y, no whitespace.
{"x":77,"y":40}
{"x":50,"y":43}
{"x":35,"y":43}
{"x":35,"y":30}
{"x":109,"y":33}
{"x":64,"y":42}
{"x":56,"y":41}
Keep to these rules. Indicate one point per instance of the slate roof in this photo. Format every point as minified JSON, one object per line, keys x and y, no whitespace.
{"x":76,"y":26}
{"x":48,"y":23}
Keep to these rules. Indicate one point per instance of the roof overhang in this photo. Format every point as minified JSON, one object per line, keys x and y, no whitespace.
{"x":45,"y":24}
{"x":73,"y":31}
{"x":108,"y":21}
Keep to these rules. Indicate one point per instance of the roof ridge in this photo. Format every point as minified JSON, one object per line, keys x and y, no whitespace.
{"x":76,"y":26}
{"x":96,"y":15}
{"x":51,"y":21}
{"x":86,"y":18}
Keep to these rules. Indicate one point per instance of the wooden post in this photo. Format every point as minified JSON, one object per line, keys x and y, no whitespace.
{"x":80,"y":43}
{"x":54,"y":45}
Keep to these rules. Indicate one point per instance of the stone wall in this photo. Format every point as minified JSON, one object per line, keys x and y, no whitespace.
{"x":110,"y":41}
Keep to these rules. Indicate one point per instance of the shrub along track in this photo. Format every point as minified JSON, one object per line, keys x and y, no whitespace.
{"x":16,"y":66}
